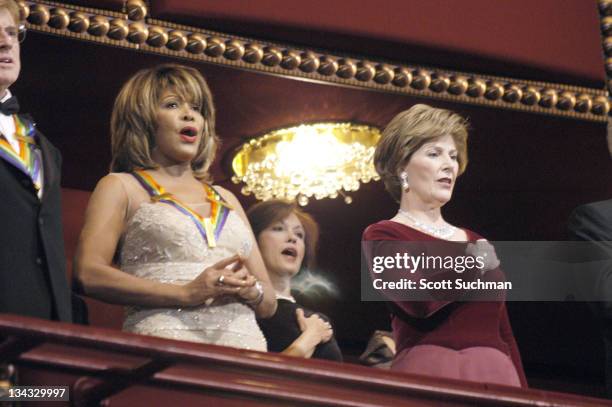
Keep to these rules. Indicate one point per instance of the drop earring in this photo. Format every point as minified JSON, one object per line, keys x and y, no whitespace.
{"x":404,"y":180}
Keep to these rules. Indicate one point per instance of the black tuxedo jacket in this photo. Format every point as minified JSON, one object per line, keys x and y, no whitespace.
{"x":32,"y":263}
{"x":593,"y":223}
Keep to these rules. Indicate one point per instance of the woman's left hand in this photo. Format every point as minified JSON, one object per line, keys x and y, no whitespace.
{"x":482,"y":248}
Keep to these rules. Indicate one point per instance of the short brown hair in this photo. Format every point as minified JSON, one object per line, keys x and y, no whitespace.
{"x":13,"y":9}
{"x":407,"y":132}
{"x":264,"y":214}
{"x":133,"y":121}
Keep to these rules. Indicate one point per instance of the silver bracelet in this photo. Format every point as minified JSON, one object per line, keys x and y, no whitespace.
{"x":257,"y":300}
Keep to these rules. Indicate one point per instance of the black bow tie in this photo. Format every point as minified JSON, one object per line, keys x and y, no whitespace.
{"x":9,"y":106}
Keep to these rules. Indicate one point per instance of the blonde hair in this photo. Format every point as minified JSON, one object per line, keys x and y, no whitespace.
{"x":407,"y":132}
{"x":13,"y":9}
{"x":133,"y":121}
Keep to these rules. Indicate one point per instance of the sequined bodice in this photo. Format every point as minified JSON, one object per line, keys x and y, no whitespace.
{"x":158,"y":233}
{"x":162,"y":244}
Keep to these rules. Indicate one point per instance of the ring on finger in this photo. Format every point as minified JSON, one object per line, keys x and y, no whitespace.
{"x":221,"y":279}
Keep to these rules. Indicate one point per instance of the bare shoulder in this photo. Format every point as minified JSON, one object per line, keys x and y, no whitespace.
{"x":112,"y":181}
{"x":111,"y":187}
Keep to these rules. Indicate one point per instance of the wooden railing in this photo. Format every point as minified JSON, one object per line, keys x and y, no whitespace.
{"x":108,"y":367}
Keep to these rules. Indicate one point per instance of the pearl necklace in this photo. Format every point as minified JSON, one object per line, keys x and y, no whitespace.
{"x":442,"y":232}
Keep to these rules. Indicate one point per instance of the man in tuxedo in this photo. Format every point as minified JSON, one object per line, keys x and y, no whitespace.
{"x":592,"y":222}
{"x":32,"y":264}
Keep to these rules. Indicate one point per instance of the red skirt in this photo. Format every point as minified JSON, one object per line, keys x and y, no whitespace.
{"x":477,"y":364}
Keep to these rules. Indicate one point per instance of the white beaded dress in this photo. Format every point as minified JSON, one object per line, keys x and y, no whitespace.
{"x":160,"y":243}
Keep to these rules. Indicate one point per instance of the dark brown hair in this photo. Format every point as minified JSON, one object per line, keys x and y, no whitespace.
{"x":264,"y":214}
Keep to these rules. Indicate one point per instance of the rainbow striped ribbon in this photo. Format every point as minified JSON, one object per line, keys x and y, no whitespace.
{"x":209,"y":227}
{"x":28,"y":159}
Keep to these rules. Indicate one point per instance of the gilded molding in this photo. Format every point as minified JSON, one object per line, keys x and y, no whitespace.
{"x":133,"y":29}
{"x":136,"y":10}
{"x":605,"y":16}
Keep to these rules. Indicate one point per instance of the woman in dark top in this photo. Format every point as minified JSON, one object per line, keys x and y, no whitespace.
{"x":287,"y":238}
{"x":421,"y":153}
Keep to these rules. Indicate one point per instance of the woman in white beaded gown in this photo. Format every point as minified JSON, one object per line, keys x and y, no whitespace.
{"x":176,"y":250}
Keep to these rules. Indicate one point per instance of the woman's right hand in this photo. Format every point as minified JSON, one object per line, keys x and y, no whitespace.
{"x":314,"y":331}
{"x":482,"y":248}
{"x":217,"y":280}
{"x":314,"y":326}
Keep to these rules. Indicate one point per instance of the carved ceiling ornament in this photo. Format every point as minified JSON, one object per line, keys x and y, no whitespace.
{"x":133,"y":29}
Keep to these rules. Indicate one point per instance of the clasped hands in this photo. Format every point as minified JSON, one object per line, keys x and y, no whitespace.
{"x":226,"y":277}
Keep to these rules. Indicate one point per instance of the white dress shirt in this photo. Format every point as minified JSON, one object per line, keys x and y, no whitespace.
{"x":7,"y":125}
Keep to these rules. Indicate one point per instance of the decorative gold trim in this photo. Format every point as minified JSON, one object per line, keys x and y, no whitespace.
{"x":132,"y":29}
{"x":605,"y":17}
{"x":136,"y":9}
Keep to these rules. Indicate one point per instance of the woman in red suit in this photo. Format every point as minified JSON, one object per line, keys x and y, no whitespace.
{"x":422,"y":152}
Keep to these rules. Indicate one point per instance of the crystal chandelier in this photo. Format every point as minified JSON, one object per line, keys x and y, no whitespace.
{"x":320,"y":160}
